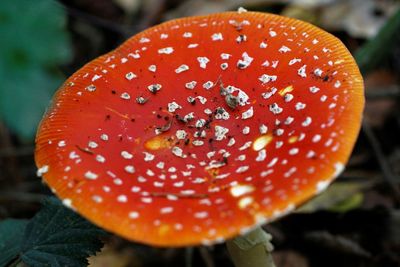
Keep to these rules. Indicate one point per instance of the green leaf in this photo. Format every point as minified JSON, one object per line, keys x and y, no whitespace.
{"x":57,"y":236}
{"x":378,"y":49}
{"x":24,"y":96}
{"x":11,"y":233}
{"x":33,"y":32}
{"x":33,"y":43}
{"x":353,"y":202}
{"x":340,"y":197}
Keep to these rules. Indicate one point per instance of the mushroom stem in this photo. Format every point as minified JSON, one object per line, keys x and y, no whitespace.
{"x":252,"y":249}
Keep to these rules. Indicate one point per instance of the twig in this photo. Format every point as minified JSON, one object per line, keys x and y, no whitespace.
{"x":397,"y":116}
{"x":152,"y":15}
{"x":392,"y":91}
{"x":21,"y":197}
{"x":380,"y":156}
{"x":337,"y":242}
{"x":16,"y":152}
{"x":103,"y":23}
{"x":15,"y":263}
{"x":207,"y":258}
{"x":188,"y":256}
{"x":11,"y":162}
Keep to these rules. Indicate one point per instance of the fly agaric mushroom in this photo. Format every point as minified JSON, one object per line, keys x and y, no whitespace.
{"x":201,"y":128}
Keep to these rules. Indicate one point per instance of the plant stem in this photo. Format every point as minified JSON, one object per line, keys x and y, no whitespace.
{"x":252,"y":249}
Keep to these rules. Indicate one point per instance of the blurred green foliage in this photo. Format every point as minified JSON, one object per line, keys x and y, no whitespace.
{"x":339,"y":197}
{"x":33,"y":43}
{"x":11,"y":234}
{"x":55,"y":236}
{"x":376,"y":51}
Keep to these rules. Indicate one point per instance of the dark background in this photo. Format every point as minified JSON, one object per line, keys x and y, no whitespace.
{"x":355,"y":223}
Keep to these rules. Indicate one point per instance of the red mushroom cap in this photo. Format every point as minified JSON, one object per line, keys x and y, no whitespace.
{"x":200,"y":128}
